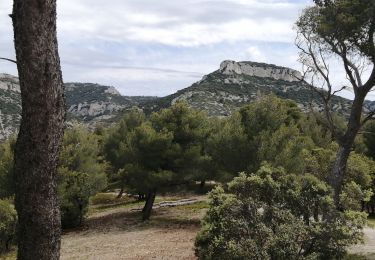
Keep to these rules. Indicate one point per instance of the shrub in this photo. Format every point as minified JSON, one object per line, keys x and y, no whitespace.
{"x":275,"y":215}
{"x":8,"y":220}
{"x":81,"y":175}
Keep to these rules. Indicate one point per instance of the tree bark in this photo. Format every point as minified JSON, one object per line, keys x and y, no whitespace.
{"x":146,"y":212}
{"x":41,"y":130}
{"x":338,"y":172}
{"x":345,"y":146}
{"x":119,"y":195}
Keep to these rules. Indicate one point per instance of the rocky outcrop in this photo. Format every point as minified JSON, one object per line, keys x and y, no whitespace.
{"x":9,"y":82}
{"x":219,"y":93}
{"x":94,"y":109}
{"x":229,"y":67}
{"x":86,"y":103}
{"x":236,"y":84}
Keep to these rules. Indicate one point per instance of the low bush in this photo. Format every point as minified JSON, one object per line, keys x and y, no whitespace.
{"x":275,"y":215}
{"x":8,"y":220}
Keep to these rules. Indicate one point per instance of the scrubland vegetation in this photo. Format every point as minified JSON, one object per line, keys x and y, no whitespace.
{"x":286,"y":184}
{"x":268,"y":165}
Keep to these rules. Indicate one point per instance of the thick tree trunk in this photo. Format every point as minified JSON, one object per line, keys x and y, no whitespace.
{"x":146,"y":212}
{"x":41,"y":129}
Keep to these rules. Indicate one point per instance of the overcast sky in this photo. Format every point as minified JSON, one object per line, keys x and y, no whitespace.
{"x":155,"y":47}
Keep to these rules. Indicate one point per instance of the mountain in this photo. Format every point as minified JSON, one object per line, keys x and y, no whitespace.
{"x":86,"y":103}
{"x":10,"y":105}
{"x":235,"y":84}
{"x":91,"y":103}
{"x":219,"y":93}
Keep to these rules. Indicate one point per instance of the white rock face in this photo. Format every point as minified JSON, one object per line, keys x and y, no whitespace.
{"x":93,"y":109}
{"x":9,"y":82}
{"x":112,"y":90}
{"x":230,"y":67}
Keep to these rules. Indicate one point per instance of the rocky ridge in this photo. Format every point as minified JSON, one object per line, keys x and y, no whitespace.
{"x":263,"y":70}
{"x":86,"y":103}
{"x":219,"y":93}
{"x":235,"y":84}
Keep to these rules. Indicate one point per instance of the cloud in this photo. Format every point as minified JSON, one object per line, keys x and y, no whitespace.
{"x":189,"y":24}
{"x":159,"y":46}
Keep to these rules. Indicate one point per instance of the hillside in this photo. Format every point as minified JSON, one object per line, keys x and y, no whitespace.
{"x":86,"y":103}
{"x":235,"y":84}
{"x":219,"y":93}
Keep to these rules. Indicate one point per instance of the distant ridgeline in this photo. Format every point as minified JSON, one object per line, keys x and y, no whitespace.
{"x":86,"y":103}
{"x":238,"y":83}
{"x":219,"y":93}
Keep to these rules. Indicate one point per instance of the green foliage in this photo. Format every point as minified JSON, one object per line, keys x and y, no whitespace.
{"x":314,"y":126}
{"x":8,"y":221}
{"x":274,"y":130}
{"x":284,"y":147}
{"x":148,"y":155}
{"x":275,"y":215}
{"x":268,"y":114}
{"x":6,"y":168}
{"x":166,"y":150}
{"x":229,"y":147}
{"x":369,"y":139}
{"x":358,"y":179}
{"x":80,"y":175}
{"x":349,"y":22}
{"x":116,"y":145}
{"x":269,"y":131}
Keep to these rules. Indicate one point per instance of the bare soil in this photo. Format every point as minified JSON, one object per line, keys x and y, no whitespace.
{"x":366,"y":249}
{"x":119,"y":233}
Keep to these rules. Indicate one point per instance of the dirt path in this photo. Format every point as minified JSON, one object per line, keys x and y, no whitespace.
{"x":154,"y":243}
{"x":368,"y":248}
{"x":119,"y":234}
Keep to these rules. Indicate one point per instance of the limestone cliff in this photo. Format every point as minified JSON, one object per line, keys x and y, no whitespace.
{"x":263,"y":70}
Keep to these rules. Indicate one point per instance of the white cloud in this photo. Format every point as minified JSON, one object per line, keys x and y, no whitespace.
{"x":192,"y":23}
{"x":159,"y":46}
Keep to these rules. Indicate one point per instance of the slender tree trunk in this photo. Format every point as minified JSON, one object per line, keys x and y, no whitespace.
{"x":345,"y":146}
{"x":120,"y":193}
{"x":41,"y":130}
{"x":141,"y":196}
{"x":150,"y":199}
{"x":338,"y":172}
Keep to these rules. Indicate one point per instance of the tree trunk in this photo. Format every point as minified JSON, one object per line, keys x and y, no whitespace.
{"x":146,"y":212}
{"x":41,"y":130}
{"x":345,"y":146}
{"x":120,"y":193}
{"x":338,"y":172}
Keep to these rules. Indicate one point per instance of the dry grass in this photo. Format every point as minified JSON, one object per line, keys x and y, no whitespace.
{"x":118,"y":233}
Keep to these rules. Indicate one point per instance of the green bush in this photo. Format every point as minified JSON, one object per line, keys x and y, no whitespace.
{"x":81,"y":175}
{"x":275,"y":215}
{"x":6,"y":168}
{"x":8,"y":220}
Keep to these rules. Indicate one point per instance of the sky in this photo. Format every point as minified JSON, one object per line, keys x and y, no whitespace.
{"x":156,"y":47}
